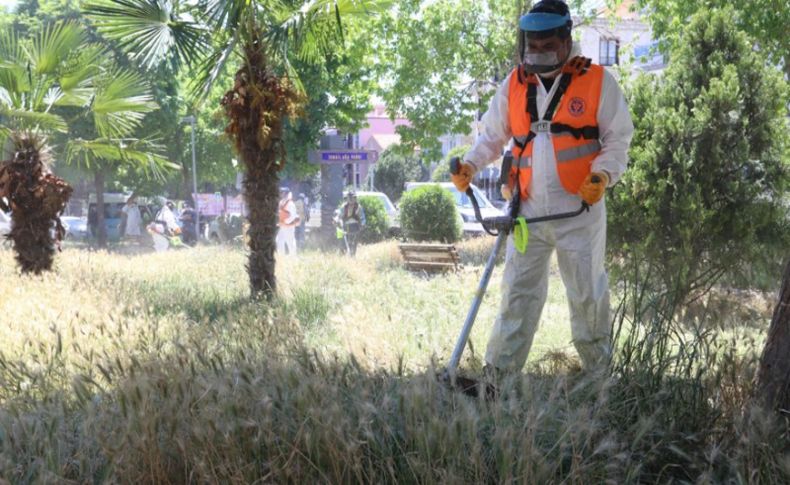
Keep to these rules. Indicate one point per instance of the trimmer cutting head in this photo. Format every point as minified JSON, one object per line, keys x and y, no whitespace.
{"x":470,"y":387}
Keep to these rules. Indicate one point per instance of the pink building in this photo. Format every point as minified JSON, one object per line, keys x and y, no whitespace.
{"x":380,"y":130}
{"x":378,"y":136}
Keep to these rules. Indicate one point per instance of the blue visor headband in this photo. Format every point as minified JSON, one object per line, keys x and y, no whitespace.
{"x":540,"y":21}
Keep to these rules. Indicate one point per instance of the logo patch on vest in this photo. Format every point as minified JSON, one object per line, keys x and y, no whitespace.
{"x":577,"y":106}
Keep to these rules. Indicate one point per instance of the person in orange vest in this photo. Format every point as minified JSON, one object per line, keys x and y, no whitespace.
{"x":568,"y":128}
{"x":288,"y":219}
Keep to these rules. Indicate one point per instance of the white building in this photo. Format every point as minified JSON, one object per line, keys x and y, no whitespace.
{"x":621,"y":39}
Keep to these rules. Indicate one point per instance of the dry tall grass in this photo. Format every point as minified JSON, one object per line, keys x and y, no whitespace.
{"x":157,"y":369}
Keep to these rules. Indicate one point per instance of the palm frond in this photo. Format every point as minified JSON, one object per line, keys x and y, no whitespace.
{"x":54,"y":94}
{"x":311,"y":29}
{"x":53,"y":45}
{"x":209,"y":69}
{"x":150,"y":31}
{"x":228,"y":14}
{"x":22,"y":120}
{"x":120,"y":103}
{"x":144,"y":154}
{"x":82,"y":67}
{"x":11,"y":52}
{"x":13,"y":62}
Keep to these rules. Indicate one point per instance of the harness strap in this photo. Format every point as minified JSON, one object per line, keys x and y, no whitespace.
{"x":532,"y":101}
{"x":565,"y":81}
{"x":586,"y":132}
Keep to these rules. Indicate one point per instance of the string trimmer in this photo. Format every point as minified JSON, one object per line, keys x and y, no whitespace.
{"x":500,"y":227}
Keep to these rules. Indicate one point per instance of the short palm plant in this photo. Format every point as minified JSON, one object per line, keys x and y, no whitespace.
{"x":264,"y":35}
{"x":48,"y":81}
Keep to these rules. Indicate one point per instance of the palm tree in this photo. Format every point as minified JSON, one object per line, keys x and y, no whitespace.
{"x":264,"y":35}
{"x":54,"y":73}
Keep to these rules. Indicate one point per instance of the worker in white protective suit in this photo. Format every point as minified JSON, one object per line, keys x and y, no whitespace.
{"x":288,"y":219}
{"x":569,"y":129}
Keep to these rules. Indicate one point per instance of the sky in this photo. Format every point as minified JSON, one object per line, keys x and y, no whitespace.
{"x":6,"y":4}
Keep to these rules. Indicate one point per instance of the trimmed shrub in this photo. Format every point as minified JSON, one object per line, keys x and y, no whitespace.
{"x":428,"y":213}
{"x":377,"y":221}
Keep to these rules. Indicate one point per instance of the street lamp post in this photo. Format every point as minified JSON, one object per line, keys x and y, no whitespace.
{"x":191,"y":120}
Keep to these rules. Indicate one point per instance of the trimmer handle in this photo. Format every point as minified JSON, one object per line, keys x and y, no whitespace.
{"x":455,"y":168}
{"x":455,"y":165}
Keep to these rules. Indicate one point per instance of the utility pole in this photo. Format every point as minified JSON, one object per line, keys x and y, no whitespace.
{"x":191,"y":120}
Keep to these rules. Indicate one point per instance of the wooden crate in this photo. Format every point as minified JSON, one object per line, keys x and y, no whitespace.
{"x":430,"y":257}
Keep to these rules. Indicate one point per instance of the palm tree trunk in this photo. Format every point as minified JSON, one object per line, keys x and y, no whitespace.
{"x":773,"y":378}
{"x":256,"y":108}
{"x":261,"y":195}
{"x":36,"y":198}
{"x":101,"y":226}
{"x":33,"y":243}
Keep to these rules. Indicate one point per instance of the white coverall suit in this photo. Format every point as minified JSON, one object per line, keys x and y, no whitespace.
{"x":580,"y":241}
{"x":286,"y":233}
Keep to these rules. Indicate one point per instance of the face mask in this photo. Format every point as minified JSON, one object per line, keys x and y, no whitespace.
{"x":550,"y":74}
{"x":542,"y":62}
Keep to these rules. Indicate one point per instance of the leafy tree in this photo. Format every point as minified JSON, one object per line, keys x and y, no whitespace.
{"x":337,"y":94}
{"x":444,"y":58}
{"x":428,"y":213}
{"x":392,"y":172}
{"x":704,"y":194}
{"x":265,"y":37}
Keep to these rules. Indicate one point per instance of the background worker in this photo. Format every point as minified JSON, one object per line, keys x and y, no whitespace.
{"x":288,"y":219}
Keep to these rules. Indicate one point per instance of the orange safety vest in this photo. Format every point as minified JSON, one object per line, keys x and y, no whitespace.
{"x":571,"y":118}
{"x":285,"y":215}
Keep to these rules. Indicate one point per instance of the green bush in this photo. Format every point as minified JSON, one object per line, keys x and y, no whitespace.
{"x":392,"y":172}
{"x":442,"y":172}
{"x":428,"y":213}
{"x":377,"y":221}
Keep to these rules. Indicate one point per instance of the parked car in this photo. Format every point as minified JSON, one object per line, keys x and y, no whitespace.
{"x":113,"y":205}
{"x":464,"y":205}
{"x":392,"y":212}
{"x":76,"y":227}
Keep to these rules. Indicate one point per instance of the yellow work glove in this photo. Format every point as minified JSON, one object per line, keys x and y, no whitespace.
{"x":463,"y":177}
{"x":593,"y":187}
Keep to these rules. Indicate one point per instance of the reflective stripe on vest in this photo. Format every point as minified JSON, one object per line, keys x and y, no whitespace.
{"x":577,"y":110}
{"x":522,"y":162}
{"x":573,"y":153}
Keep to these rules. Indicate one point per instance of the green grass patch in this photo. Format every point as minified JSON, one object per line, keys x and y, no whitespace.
{"x":157,"y":368}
